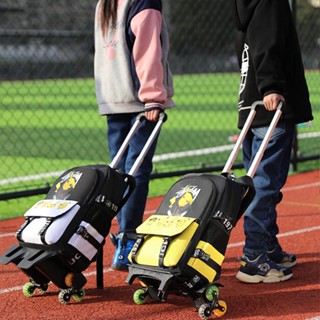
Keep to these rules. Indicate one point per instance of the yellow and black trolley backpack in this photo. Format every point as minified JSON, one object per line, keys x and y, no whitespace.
{"x":182,"y":246}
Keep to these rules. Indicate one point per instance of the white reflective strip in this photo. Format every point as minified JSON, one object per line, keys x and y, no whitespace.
{"x":93,"y":232}
{"x":82,"y":245}
{"x":30,"y":234}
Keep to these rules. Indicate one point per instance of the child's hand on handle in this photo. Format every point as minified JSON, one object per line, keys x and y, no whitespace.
{"x":152,"y":115}
{"x":152,"y":112}
{"x":271,"y":101}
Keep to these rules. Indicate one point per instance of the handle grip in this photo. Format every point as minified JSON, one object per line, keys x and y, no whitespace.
{"x":233,"y":156}
{"x":140,"y":117}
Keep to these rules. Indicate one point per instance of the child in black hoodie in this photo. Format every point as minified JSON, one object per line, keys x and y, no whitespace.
{"x":272,"y":71}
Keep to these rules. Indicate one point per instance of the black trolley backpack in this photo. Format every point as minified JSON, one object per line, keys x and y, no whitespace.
{"x":64,"y":233}
{"x":182,"y":246}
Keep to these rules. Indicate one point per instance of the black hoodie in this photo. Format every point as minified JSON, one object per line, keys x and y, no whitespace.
{"x":270,"y":60}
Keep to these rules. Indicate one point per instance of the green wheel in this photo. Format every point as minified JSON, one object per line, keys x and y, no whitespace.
{"x":79,"y":295}
{"x":139,"y":296}
{"x":212,"y":292}
{"x":28,"y":289}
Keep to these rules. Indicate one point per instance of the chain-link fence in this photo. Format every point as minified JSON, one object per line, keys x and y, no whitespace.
{"x":49,"y":117}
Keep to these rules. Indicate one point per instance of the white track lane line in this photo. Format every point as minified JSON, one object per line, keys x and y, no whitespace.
{"x":281,"y":235}
{"x":156,"y":158}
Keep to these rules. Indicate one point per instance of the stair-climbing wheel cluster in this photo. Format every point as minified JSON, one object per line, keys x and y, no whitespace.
{"x":211,"y":302}
{"x":64,"y":296}
{"x":212,"y":305}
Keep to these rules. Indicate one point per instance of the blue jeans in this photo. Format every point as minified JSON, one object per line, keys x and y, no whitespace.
{"x":119,"y":125}
{"x":260,"y":218}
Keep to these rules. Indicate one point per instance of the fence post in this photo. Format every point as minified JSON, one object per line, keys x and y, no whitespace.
{"x":294,"y":153}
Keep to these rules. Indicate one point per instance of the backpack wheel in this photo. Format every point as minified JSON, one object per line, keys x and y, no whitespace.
{"x":64,"y":296}
{"x":221,"y":310}
{"x":204,"y":311}
{"x":139,"y":296}
{"x":43,"y":288}
{"x":79,"y":295}
{"x":28,"y":289}
{"x":68,"y":280}
{"x":212,"y":292}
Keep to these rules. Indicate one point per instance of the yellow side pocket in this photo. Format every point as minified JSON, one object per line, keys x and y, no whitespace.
{"x":204,"y":268}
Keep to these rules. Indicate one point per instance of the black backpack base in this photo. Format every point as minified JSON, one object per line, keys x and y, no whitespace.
{"x":44,"y":267}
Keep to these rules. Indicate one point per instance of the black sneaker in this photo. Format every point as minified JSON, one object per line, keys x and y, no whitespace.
{"x":282,"y":258}
{"x":262,"y":269}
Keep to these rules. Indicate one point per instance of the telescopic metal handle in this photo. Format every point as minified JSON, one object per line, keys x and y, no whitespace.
{"x":126,"y":141}
{"x":233,"y":156}
{"x":256,"y":161}
{"x":143,"y":153}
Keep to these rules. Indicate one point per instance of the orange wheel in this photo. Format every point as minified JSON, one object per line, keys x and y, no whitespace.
{"x":222,"y":310}
{"x":68,"y":280}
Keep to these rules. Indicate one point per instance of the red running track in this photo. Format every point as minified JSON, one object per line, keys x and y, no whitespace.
{"x":295,"y":299}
